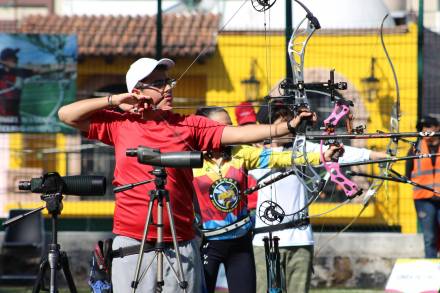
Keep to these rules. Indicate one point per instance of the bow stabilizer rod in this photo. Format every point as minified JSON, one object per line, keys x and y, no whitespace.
{"x":372,"y":135}
{"x":396,"y":178}
{"x":415,"y":157}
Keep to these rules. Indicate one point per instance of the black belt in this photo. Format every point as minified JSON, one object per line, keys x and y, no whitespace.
{"x":134,"y":249}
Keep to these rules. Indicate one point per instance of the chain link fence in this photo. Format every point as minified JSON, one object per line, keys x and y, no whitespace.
{"x":246,"y":66}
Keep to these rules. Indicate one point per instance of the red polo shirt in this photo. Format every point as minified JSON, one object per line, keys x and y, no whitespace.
{"x":167,"y":132}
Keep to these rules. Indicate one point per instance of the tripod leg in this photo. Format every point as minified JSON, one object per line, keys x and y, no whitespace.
{"x":159,"y":275}
{"x":182,"y":283}
{"x":39,"y":282}
{"x":135,"y":281}
{"x":53,"y":259}
{"x":64,"y":261}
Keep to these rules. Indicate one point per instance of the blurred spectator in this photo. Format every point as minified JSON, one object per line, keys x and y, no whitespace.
{"x":245,"y":113}
{"x":427,"y":172}
{"x":10,"y":90}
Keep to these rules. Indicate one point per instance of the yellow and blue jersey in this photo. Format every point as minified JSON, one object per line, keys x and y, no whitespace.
{"x":219,"y":188}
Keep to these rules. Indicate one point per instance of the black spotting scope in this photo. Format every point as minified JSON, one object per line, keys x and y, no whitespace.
{"x":154,"y":157}
{"x":72,"y":185}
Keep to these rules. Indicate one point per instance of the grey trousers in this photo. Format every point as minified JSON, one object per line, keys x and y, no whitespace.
{"x":123,"y":269}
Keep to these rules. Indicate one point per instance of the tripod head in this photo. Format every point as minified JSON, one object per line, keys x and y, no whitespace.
{"x":52,"y":186}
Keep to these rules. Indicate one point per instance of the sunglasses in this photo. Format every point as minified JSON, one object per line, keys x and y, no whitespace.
{"x":162,"y":83}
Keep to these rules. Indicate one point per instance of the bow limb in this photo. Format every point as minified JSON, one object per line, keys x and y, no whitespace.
{"x":297,"y":49}
{"x":392,"y":146}
{"x":395,"y":112}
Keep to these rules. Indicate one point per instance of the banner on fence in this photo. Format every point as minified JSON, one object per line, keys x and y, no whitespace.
{"x":37,"y":76}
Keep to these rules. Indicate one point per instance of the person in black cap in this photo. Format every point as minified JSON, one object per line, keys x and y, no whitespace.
{"x":9,"y":55}
{"x":10,"y":91}
{"x":427,"y":172}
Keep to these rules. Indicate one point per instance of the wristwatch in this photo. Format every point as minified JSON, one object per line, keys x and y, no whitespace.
{"x":291,"y":129}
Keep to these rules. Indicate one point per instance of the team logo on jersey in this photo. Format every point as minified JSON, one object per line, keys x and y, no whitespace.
{"x":224,"y":194}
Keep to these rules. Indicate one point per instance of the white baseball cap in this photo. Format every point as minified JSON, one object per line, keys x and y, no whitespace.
{"x":142,"y":68}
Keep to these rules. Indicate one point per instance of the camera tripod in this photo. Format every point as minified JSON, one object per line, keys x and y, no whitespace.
{"x":159,"y":194}
{"x":55,"y":259}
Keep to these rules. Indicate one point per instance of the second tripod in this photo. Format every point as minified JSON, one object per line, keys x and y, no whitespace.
{"x":56,"y":259}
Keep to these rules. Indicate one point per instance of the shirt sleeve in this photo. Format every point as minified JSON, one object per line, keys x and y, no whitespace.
{"x":351,"y":154}
{"x":103,"y":126}
{"x":206,"y":132}
{"x":260,"y":158}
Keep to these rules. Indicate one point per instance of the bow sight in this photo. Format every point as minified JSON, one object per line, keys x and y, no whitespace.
{"x":294,"y":94}
{"x":290,"y":90}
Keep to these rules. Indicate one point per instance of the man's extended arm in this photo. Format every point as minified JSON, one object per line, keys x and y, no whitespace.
{"x":78,"y":113}
{"x":253,"y":133}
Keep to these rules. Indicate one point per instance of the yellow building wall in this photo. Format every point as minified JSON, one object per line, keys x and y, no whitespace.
{"x":351,"y":56}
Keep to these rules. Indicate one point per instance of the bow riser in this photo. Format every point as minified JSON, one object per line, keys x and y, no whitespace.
{"x":350,"y":188}
{"x":340,"y":110}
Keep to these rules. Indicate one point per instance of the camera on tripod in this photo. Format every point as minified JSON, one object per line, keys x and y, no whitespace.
{"x":52,"y":182}
{"x":154,"y":157}
{"x":52,"y":187}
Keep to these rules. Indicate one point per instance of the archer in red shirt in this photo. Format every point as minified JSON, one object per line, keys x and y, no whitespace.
{"x":148,"y":120}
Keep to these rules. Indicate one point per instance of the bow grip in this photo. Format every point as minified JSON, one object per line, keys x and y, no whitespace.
{"x":336,"y":176}
{"x":339,"y":111}
{"x":305,"y":122}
